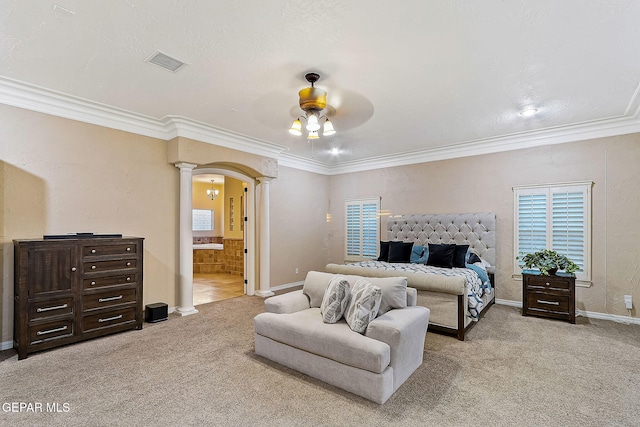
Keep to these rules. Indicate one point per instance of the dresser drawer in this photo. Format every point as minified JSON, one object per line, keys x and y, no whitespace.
{"x":51,"y":307}
{"x":110,"y":265}
{"x":48,"y":331}
{"x":108,"y":319}
{"x":115,"y":249}
{"x":548,"y":303}
{"x":100,"y":282}
{"x":548,"y":282}
{"x":109,"y":298}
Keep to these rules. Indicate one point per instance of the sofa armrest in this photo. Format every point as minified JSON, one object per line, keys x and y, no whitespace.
{"x":287,"y":303}
{"x":412,"y":296}
{"x":404,"y":330}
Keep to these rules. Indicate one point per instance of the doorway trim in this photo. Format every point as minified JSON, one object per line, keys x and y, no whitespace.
{"x":249,"y":228}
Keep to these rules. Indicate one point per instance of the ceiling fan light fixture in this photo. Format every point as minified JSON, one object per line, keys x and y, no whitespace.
{"x":312,"y":122}
{"x":296,"y":128}
{"x":313,"y":134}
{"x":328,"y":128}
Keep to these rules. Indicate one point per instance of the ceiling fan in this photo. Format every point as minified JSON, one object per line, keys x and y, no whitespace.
{"x":312,"y":101}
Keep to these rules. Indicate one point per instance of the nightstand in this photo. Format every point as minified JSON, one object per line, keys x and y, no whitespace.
{"x":549,"y":296}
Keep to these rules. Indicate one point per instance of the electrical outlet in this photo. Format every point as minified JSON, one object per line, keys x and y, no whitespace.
{"x":296,"y":270}
{"x":628,"y":303}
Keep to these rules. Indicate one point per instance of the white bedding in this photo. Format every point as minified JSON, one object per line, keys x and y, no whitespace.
{"x":475,"y":286}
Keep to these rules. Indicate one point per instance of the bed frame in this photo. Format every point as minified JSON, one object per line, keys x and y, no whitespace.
{"x":447,"y":301}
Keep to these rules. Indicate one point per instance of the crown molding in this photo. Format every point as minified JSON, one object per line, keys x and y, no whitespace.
{"x":47,"y":101}
{"x":303,"y":163}
{"x":42,"y":100}
{"x":35,"y":98}
{"x":182,"y":126}
{"x":558,"y":135}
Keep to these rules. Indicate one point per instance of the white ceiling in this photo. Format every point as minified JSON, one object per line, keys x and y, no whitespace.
{"x":405,"y":77}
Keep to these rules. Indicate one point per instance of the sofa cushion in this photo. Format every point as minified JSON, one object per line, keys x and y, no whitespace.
{"x":306,"y":331}
{"x":394,"y":292}
{"x":335,"y":301}
{"x":315,"y":284}
{"x":364,"y":302}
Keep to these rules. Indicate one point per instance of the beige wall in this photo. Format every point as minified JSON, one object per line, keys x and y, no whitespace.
{"x":484,"y":183}
{"x":202,"y":201}
{"x":63,"y":176}
{"x":299,"y":204}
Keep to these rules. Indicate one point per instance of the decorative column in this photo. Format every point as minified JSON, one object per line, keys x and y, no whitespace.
{"x":186,"y":241}
{"x":264,"y":236}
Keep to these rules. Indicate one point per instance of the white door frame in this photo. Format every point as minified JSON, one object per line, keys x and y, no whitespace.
{"x":249,"y":229}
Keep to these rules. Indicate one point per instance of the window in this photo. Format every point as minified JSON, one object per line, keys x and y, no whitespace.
{"x":202,"y":219}
{"x":557,"y":217}
{"x":362,"y":228}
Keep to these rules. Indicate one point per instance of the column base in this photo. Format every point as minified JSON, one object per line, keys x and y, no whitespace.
{"x":264,"y":294}
{"x":186,"y":311}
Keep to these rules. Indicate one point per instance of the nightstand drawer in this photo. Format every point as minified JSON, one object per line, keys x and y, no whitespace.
{"x":547,"y":303}
{"x":548,"y":282}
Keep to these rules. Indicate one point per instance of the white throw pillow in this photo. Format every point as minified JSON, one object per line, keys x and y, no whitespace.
{"x":363,"y":305}
{"x":335,"y":300}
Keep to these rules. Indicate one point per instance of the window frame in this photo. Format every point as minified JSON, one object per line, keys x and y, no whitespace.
{"x":361,"y":202}
{"x":583,"y":277}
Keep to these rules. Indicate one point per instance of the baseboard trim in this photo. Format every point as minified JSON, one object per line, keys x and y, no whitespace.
{"x":287,"y":286}
{"x":628,"y":320}
{"x":6,"y":345}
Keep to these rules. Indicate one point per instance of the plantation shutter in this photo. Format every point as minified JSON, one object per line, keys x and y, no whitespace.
{"x":568,"y":225}
{"x":532,"y":222}
{"x":555,"y":217}
{"x":362,"y":228}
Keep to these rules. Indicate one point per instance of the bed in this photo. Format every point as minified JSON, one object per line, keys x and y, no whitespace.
{"x":457,"y":297}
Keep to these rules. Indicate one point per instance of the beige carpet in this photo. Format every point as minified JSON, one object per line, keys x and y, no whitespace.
{"x":201,"y":370}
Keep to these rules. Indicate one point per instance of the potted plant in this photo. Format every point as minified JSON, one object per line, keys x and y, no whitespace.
{"x":548,"y":262}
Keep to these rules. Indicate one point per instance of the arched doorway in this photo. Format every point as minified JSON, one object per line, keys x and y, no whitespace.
{"x":249,"y":224}
{"x":256,"y":226}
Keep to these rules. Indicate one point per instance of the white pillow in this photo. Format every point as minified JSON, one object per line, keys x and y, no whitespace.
{"x":335,"y":300}
{"x":363,"y":305}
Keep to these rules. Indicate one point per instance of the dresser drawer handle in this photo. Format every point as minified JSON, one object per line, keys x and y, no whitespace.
{"x":73,"y":269}
{"x":128,"y":249}
{"x":128,"y":264}
{"x":541,"y":301}
{"x":109,"y":319}
{"x":57,"y":307}
{"x":110,"y":299}
{"x":128,"y":279}
{"x":93,"y":283}
{"x":547,"y":284}
{"x":93,"y":251}
{"x":93,"y":267}
{"x":50,"y":331}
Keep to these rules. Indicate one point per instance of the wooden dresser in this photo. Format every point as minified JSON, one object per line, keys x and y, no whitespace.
{"x":69,"y":290}
{"x":549,"y":296}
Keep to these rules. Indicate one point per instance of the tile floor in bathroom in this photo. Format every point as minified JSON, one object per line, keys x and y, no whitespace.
{"x":210,"y":287}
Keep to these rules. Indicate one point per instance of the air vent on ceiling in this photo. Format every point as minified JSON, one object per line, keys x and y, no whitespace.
{"x":165,"y":61}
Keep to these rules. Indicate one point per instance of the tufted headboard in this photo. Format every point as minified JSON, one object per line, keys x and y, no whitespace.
{"x":477,"y":229}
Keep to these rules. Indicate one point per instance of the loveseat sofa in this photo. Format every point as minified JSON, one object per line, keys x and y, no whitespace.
{"x":372,"y":365}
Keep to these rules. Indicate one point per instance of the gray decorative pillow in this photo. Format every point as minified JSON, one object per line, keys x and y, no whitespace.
{"x":335,"y":300}
{"x":363,"y":305}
